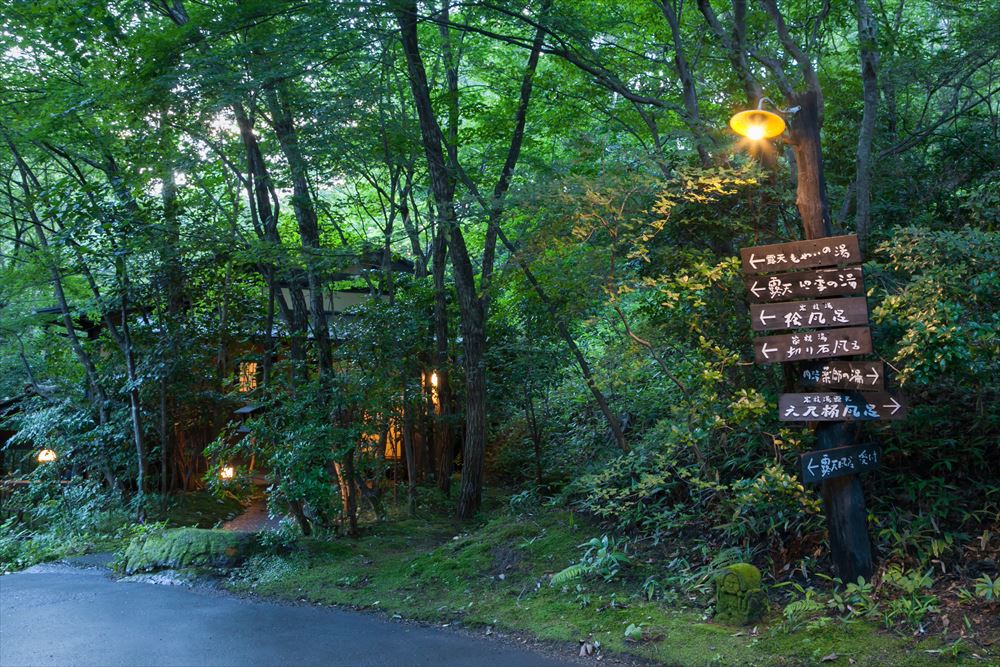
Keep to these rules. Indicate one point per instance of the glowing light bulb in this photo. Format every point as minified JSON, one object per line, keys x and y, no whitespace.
{"x":755,"y":132}
{"x":434,"y":379}
{"x":47,"y":456}
{"x":227,"y":472}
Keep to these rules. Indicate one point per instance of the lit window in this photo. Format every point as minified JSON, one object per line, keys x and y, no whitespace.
{"x":248,"y":376}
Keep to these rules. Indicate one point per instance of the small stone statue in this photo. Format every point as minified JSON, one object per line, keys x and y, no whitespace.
{"x":739,"y":599}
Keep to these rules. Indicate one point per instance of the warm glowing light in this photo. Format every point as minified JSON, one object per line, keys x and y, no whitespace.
{"x":227,"y":472}
{"x":757,"y":124}
{"x":434,"y":379}
{"x":47,"y":456}
{"x":248,"y":376}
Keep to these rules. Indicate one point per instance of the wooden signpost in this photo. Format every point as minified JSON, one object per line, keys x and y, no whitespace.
{"x":818,"y":314}
{"x":840,"y":407}
{"x":824,"y":315}
{"x":812,"y":345}
{"x":829,"y":463}
{"x":866,"y":375}
{"x":829,"y":251}
{"x":790,"y":286}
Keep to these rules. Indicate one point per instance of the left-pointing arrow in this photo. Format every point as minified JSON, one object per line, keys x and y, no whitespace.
{"x":756,"y":290}
{"x":764,"y":318}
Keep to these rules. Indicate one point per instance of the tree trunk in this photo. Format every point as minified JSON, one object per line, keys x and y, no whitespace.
{"x":99,"y":397}
{"x":305,"y":215}
{"x":470,"y":305}
{"x":692,"y":117}
{"x":444,"y":454}
{"x":868,"y":47}
{"x":264,"y":209}
{"x":351,"y":493}
{"x":474,"y":453}
{"x":843,"y":498}
{"x":411,"y":457}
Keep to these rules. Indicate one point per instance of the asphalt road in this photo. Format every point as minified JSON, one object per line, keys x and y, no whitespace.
{"x":63,"y":615}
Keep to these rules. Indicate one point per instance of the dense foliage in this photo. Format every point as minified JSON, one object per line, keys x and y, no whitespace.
{"x":544,"y":205}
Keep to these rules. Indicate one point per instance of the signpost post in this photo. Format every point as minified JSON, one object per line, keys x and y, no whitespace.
{"x":821,"y":267}
{"x":826,"y":312}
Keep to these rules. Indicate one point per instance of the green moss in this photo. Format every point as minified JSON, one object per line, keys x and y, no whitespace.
{"x":186,"y":547}
{"x":738,"y":597}
{"x":497,"y":574}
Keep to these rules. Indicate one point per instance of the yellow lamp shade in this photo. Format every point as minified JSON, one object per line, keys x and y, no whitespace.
{"x":757,"y":124}
{"x":47,"y":456}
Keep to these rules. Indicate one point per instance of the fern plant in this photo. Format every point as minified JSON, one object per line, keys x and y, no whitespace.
{"x":604,"y":556}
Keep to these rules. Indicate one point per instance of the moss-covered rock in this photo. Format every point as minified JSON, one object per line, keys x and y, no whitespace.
{"x":739,"y":599}
{"x":187,"y":547}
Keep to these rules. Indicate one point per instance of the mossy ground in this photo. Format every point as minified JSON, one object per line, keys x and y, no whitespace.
{"x":199,"y":509}
{"x":186,"y":548}
{"x":496,"y":573}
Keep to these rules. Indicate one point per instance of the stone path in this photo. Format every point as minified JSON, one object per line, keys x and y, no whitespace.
{"x":253,"y":520}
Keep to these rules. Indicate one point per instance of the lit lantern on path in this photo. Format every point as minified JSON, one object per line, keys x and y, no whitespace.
{"x":226,"y":473}
{"x":47,"y":456}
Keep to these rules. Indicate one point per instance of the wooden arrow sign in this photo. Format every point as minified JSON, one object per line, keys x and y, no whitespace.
{"x":819,"y":314}
{"x":829,"y":251}
{"x":803,"y":284}
{"x":829,"y":463}
{"x":812,"y":345}
{"x":867,"y":375}
{"x":840,"y":407}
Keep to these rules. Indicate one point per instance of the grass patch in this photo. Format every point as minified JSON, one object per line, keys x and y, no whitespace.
{"x":496,"y":573}
{"x":196,"y":509}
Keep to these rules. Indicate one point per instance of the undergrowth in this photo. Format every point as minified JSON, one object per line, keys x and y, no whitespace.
{"x":549,"y":573}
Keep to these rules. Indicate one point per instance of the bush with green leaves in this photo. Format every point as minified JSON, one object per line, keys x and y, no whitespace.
{"x":299,"y":445}
{"x":914,"y":602}
{"x":49,"y":520}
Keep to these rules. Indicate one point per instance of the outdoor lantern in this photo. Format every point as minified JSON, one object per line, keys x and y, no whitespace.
{"x":47,"y":456}
{"x":757,"y":124}
{"x":227,"y":472}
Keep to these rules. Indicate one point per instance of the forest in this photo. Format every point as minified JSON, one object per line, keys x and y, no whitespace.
{"x":460,"y":281}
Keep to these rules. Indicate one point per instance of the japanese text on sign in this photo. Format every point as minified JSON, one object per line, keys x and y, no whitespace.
{"x":843,"y":375}
{"x":821,"y":283}
{"x":831,"y":251}
{"x":809,"y":314}
{"x":830,"y":406}
{"x":829,"y":463}
{"x":812,"y":345}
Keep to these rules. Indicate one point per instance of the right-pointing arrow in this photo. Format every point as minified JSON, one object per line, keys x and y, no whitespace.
{"x":895,"y":405}
{"x":873,"y":375}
